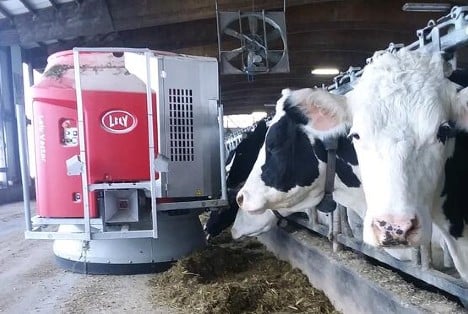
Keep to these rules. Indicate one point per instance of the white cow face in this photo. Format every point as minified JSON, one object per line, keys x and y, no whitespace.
{"x":400,"y":113}
{"x":286,"y":174}
{"x":247,"y":224}
{"x":253,"y":224}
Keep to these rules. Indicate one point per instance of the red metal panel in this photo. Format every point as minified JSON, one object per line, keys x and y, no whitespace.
{"x":116,"y":128}
{"x":57,"y":194}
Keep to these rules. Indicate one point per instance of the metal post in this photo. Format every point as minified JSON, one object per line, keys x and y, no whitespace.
{"x":336,"y":218}
{"x":345,"y":228}
{"x":8,"y":97}
{"x":426,"y":256}
{"x":416,"y":255}
{"x":313,"y":217}
{"x":23,"y":154}
{"x":222,"y":152}
{"x":149,"y":101}
{"x":448,"y":262}
{"x":82,"y":143}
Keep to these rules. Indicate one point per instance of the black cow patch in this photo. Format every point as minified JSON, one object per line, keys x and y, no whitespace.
{"x":446,"y":131}
{"x":456,"y":171}
{"x":223,"y":218}
{"x":345,"y":157}
{"x":246,"y":154}
{"x":290,"y":160}
{"x":459,"y":77}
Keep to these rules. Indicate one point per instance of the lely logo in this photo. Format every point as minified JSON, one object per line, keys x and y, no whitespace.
{"x":118,"y":121}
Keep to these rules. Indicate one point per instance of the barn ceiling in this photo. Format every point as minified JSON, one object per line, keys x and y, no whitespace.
{"x":337,"y":33}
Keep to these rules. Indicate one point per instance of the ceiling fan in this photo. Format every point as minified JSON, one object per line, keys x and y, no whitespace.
{"x":252,"y":42}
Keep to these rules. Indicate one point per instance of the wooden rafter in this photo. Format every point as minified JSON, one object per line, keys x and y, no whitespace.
{"x":54,"y":4}
{"x":93,"y":17}
{"x":5,"y":13}
{"x":28,"y":7}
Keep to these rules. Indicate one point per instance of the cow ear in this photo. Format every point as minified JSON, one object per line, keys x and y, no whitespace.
{"x":322,"y":111}
{"x":460,"y":108}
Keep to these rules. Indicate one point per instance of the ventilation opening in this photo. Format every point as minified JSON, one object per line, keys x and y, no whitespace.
{"x":181,"y":124}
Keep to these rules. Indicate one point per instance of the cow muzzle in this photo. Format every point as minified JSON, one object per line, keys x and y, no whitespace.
{"x":394,"y":231}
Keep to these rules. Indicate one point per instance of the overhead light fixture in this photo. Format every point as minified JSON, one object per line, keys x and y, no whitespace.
{"x":426,"y":7}
{"x":325,"y":71}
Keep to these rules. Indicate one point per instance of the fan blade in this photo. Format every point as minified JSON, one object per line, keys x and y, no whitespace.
{"x":275,"y":34}
{"x":233,"y":33}
{"x":273,"y":55}
{"x":253,"y":24}
{"x":229,"y":55}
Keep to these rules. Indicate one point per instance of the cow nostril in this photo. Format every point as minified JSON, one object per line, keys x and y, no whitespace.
{"x":240,"y":199}
{"x":395,"y":230}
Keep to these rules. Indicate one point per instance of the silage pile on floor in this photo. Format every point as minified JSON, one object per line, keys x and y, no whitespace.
{"x":238,"y":277}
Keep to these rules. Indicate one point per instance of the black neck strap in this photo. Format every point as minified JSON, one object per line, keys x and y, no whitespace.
{"x":282,"y":221}
{"x":327,"y":204}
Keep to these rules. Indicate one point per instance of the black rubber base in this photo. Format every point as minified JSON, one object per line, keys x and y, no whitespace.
{"x":112,"y":269}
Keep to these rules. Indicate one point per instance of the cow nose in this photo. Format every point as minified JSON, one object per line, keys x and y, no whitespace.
{"x":394,"y":230}
{"x":240,"y":199}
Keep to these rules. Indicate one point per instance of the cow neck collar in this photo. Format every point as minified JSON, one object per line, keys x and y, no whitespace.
{"x":282,"y":221}
{"x":327,"y":204}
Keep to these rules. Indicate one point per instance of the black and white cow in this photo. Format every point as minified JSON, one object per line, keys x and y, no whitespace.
{"x":240,"y":163}
{"x":401,"y":116}
{"x":291,"y":167}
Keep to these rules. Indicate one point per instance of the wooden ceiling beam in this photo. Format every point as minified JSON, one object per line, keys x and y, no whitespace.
{"x":6,"y":13}
{"x":153,"y":13}
{"x":92,"y":17}
{"x":29,"y":7}
{"x":54,"y":4}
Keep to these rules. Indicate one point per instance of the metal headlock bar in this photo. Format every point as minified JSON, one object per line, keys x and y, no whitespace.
{"x":445,"y":35}
{"x":232,"y":140}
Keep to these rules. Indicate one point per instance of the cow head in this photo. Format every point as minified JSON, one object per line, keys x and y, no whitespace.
{"x":286,"y":174}
{"x":247,"y":224}
{"x":250,"y":225}
{"x":400,"y":115}
{"x":289,"y":173}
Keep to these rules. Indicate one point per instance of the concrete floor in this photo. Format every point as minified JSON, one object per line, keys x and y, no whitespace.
{"x":30,"y":282}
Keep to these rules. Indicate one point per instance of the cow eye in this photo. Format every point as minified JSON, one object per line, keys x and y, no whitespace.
{"x":446,"y":131}
{"x":353,"y":136}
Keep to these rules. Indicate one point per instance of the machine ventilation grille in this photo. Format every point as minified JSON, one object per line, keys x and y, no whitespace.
{"x":181,"y":124}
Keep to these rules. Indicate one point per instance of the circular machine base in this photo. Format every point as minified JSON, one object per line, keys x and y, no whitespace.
{"x":178,"y":236}
{"x":112,"y":269}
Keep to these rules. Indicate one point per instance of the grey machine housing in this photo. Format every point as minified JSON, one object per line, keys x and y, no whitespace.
{"x":188,"y":130}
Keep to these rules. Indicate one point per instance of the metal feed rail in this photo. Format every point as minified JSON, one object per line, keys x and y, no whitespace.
{"x":232,"y":140}
{"x":445,"y":35}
